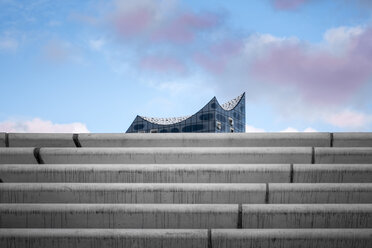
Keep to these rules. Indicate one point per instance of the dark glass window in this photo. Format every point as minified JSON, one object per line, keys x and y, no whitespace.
{"x":138,"y":127}
{"x":221,"y":118}
{"x":213,"y":105}
{"x":192,"y":128}
{"x":206,"y":117}
{"x":175,"y":130}
{"x":164,"y":131}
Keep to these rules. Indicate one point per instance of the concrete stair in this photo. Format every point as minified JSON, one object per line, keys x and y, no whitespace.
{"x":186,"y":190}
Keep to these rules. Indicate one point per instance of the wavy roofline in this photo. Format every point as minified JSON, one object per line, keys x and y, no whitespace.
{"x":163,"y":120}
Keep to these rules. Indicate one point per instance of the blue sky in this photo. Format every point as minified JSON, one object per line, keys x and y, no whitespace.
{"x":79,"y":66}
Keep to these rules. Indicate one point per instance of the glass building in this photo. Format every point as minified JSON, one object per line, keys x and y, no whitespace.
{"x":212,"y":118}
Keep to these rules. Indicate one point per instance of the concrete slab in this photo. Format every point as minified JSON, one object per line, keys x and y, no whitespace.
{"x":147,"y":173}
{"x":41,"y":140}
{"x":134,"y":216}
{"x":307,"y":216}
{"x":2,"y":140}
{"x":132,"y":193}
{"x":172,"y":155}
{"x":362,"y":139}
{"x":342,"y":155}
{"x":205,"y":140}
{"x":320,"y":193}
{"x":17,"y":156}
{"x":292,"y":238}
{"x":103,"y":238}
{"x":332,"y":173}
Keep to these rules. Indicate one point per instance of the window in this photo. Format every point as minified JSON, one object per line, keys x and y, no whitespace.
{"x":153,"y":130}
{"x":231,"y":121}
{"x":231,"y":129}
{"x":218,"y":125}
{"x":142,"y":131}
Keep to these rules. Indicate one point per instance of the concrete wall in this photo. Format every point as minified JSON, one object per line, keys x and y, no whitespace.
{"x":2,"y":140}
{"x":17,"y":156}
{"x":336,"y":155}
{"x":41,"y":140}
{"x":147,"y":173}
{"x":320,"y":193}
{"x":132,"y":193}
{"x":352,"y":139}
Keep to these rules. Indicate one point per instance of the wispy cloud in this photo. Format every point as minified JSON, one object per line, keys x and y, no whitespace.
{"x":59,"y":51}
{"x":288,"y":4}
{"x":349,"y":119}
{"x":37,"y":125}
{"x":8,"y":44}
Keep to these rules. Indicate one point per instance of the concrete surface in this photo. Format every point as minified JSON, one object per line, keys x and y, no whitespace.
{"x":332,"y":173}
{"x":41,"y":140}
{"x":2,"y":140}
{"x":352,"y":139}
{"x":174,"y":155}
{"x":307,"y":216}
{"x":147,"y":173}
{"x":320,"y":193}
{"x":135,"y":216}
{"x":343,"y":155}
{"x":17,"y":156}
{"x":103,"y":238}
{"x":292,"y":238}
{"x":205,"y":140}
{"x":132,"y":193}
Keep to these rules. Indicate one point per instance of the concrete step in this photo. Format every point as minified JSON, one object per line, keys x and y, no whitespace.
{"x":343,"y":155}
{"x":147,"y":173}
{"x":197,"y":238}
{"x":332,"y":173}
{"x":292,"y":238}
{"x":103,"y":238}
{"x":307,"y":216}
{"x":174,"y":155}
{"x":132,"y":193}
{"x":17,"y":156}
{"x":205,"y":140}
{"x":362,"y":139}
{"x":135,"y":216}
{"x":2,"y":140}
{"x":296,"y":193}
{"x":41,"y":140}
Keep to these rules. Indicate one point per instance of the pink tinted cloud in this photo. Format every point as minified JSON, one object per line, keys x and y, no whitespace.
{"x":162,"y":64}
{"x":134,"y":22}
{"x":288,"y":4}
{"x":216,"y":58}
{"x":320,"y":76}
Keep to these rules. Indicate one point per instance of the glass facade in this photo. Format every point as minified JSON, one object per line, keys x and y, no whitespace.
{"x":212,"y":118}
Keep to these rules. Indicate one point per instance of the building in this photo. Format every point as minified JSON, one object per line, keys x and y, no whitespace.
{"x":212,"y":118}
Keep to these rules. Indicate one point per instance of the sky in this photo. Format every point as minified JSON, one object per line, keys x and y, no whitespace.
{"x":93,"y":65}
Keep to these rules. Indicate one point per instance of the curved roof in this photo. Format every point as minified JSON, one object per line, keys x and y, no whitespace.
{"x":230,"y":105}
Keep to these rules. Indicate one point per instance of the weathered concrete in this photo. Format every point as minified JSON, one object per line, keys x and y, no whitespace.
{"x":307,"y":216}
{"x":132,"y":193}
{"x":352,"y":139}
{"x":205,"y":139}
{"x":172,"y":155}
{"x":320,"y":193}
{"x":133,"y":216}
{"x":343,"y":155}
{"x":147,"y":173}
{"x":41,"y":140}
{"x":17,"y":156}
{"x":292,"y":238}
{"x":103,"y":238}
{"x":332,"y":173}
{"x":2,"y":139}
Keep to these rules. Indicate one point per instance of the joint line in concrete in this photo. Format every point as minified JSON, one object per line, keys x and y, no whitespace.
{"x":240,"y":216}
{"x":38,"y":156}
{"x":75,"y":137}
{"x":267,"y":194}
{"x":331,"y":140}
{"x":291,"y":173}
{"x":6,"y":140}
{"x":209,"y":238}
{"x":312,"y":155}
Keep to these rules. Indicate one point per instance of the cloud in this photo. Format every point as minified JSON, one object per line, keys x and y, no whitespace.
{"x":349,"y":119}
{"x":59,"y":51}
{"x":37,"y":125}
{"x":252,"y":129}
{"x":162,"y":64}
{"x":288,"y":4}
{"x":96,"y":44}
{"x":294,"y":130}
{"x":8,"y":44}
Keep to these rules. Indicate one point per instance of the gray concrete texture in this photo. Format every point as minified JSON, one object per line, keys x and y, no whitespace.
{"x":135,"y":216}
{"x":2,"y":139}
{"x":182,"y":193}
{"x":292,"y":238}
{"x":352,"y":139}
{"x":147,"y":173}
{"x":104,"y":238}
{"x":307,"y":216}
{"x":41,"y":140}
{"x":302,"y":193}
{"x":343,"y":155}
{"x":17,"y":156}
{"x":332,"y":173}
